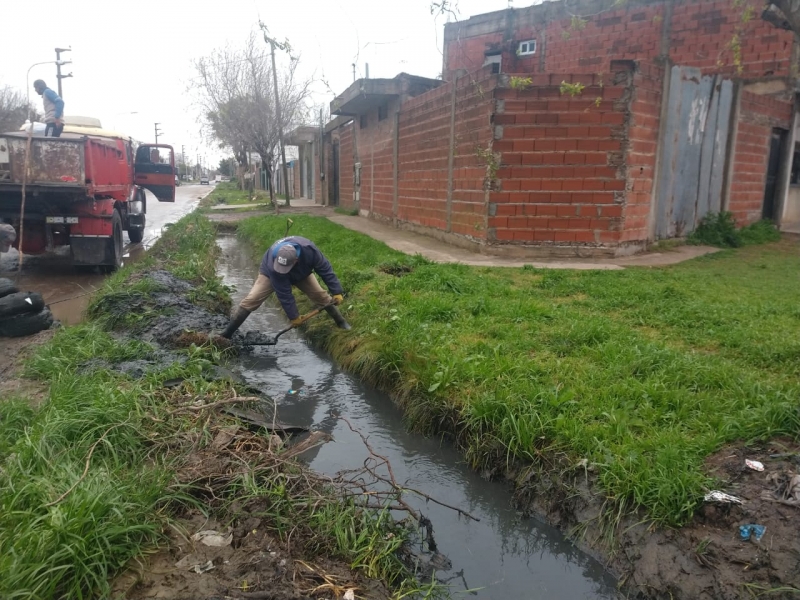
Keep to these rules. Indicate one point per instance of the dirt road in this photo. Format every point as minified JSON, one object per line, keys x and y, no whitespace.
{"x":63,"y":288}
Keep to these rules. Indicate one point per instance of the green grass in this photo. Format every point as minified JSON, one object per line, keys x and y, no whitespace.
{"x":66,"y":530}
{"x":719,"y":229}
{"x":228,"y":192}
{"x":644,"y":372}
{"x":70,"y":548}
{"x":350,"y":212}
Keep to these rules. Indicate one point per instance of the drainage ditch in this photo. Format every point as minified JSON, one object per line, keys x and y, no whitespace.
{"x":501,"y":556}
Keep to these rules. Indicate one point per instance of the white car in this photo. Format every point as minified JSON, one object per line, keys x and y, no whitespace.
{"x":204,"y":181}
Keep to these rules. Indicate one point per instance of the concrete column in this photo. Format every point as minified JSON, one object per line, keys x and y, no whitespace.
{"x":662,"y":127}
{"x":730,"y":150}
{"x":395,"y":165}
{"x":372,"y":175}
{"x":451,"y":155}
{"x":785,"y":172}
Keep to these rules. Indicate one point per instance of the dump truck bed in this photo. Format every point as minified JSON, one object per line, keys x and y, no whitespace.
{"x":53,"y":162}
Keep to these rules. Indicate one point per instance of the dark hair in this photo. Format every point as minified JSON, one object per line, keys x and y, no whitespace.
{"x":39,"y":82}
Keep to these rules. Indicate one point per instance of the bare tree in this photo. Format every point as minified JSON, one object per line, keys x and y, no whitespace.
{"x":238,"y":100}
{"x":14,"y":109}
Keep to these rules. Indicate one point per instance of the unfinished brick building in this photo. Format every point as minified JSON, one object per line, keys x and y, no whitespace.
{"x":671,"y":109}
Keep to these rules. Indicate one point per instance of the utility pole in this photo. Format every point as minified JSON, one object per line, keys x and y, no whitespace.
{"x":285,"y":47}
{"x":158,"y":131}
{"x":59,"y":64}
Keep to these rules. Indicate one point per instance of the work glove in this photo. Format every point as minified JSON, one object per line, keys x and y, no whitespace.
{"x":297,"y":321}
{"x":338,"y":299}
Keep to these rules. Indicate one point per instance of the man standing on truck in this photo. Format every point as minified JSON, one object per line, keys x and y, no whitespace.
{"x":53,"y":109}
{"x":292,"y":261}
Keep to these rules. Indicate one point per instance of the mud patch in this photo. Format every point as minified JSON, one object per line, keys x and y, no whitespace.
{"x":707,"y":559}
{"x":397,"y":270}
{"x":255,"y":565}
{"x":14,"y":352}
{"x":249,"y":558}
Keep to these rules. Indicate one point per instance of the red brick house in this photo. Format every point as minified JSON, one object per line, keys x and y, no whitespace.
{"x":555,"y":134}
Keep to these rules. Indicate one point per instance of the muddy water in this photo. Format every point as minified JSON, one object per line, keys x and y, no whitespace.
{"x":501,"y":557}
{"x":65,"y":289}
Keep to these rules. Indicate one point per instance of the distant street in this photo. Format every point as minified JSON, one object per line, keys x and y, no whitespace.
{"x":63,"y":288}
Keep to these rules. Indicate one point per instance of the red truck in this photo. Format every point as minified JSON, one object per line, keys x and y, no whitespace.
{"x":82,"y":189}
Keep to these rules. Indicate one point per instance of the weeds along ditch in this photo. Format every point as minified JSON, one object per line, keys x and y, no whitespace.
{"x":635,"y":376}
{"x":92,"y":478}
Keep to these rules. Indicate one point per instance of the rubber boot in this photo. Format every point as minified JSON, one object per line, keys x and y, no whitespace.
{"x":237,"y":319}
{"x":337,"y":317}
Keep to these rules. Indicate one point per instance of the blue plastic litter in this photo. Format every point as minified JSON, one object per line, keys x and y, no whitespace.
{"x":757,"y":531}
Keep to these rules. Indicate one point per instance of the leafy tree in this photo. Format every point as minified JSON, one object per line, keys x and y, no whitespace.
{"x":227,"y":167}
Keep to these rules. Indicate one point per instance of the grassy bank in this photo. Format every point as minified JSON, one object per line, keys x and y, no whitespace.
{"x":91,"y":479}
{"x":642,"y":372}
{"x":228,"y":193}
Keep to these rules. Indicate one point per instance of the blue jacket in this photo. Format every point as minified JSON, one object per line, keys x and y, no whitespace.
{"x":53,"y":105}
{"x":310,"y":260}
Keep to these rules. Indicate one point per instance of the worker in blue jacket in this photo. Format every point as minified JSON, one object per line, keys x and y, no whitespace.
{"x":53,"y":109}
{"x":292,"y":261}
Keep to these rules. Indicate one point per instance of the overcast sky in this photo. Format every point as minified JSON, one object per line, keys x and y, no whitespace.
{"x":137,"y":56}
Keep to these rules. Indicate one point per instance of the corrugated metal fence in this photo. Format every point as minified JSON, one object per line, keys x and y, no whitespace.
{"x":693,"y":151}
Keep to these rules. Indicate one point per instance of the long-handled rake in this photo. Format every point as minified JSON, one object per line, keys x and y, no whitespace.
{"x":256,"y":338}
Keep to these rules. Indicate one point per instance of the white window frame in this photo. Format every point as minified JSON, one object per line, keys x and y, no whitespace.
{"x":531,"y":48}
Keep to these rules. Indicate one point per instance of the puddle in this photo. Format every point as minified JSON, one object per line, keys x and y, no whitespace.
{"x":503,"y":556}
{"x":66,"y":289}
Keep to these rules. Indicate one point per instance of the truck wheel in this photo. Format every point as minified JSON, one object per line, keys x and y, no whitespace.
{"x":7,"y":287}
{"x":21,"y":302}
{"x":115,"y":249}
{"x":21,"y":325}
{"x":137,"y":235}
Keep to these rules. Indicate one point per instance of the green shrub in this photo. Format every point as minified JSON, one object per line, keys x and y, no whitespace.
{"x":719,"y":229}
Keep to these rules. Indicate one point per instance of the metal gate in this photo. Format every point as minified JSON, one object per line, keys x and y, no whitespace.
{"x":693,"y":150}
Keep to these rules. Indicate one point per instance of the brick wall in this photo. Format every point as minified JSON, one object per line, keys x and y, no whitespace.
{"x":424,"y":145}
{"x":345,"y":136}
{"x":630,"y":33}
{"x":642,"y":150}
{"x":473,"y":132}
{"x":758,"y":115}
{"x":700,"y":33}
{"x":562,"y":178}
{"x":376,"y":154}
{"x":424,"y":150}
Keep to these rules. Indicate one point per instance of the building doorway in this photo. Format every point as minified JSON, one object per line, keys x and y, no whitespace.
{"x":771,"y":202}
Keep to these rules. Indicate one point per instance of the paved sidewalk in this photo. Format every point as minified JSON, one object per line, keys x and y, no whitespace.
{"x":414,"y":243}
{"x":432,"y":249}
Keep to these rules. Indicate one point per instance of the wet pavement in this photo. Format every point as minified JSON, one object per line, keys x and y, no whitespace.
{"x":502,"y":556}
{"x":68,"y":291}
